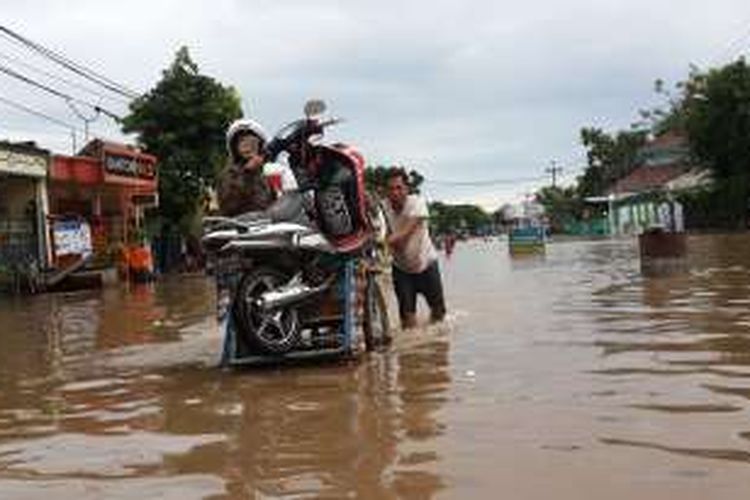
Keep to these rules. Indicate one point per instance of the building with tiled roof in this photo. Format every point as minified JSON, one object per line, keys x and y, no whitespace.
{"x":645,"y":197}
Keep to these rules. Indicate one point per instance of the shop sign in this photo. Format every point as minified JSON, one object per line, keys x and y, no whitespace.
{"x":128,"y":166}
{"x":72,"y":237}
{"x":18,"y":163}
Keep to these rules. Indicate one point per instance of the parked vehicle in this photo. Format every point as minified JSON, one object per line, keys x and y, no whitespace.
{"x":298,"y":279}
{"x":527,"y":236}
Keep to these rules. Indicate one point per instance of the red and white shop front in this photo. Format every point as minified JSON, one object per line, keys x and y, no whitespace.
{"x":106,"y":187}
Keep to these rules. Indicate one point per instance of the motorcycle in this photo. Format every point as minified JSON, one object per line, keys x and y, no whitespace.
{"x":297,"y":279}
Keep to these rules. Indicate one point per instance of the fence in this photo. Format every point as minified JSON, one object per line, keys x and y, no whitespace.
{"x":591,"y":227}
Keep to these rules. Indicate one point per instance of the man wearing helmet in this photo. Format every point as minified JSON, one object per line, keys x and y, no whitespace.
{"x":242,"y":186}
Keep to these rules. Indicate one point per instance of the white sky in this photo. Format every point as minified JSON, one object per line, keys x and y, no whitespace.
{"x":463,"y":91}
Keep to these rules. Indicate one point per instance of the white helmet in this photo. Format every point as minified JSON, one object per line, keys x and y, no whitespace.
{"x":241,"y":127}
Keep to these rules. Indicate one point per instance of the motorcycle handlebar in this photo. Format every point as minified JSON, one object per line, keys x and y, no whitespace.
{"x":302,"y":131}
{"x":330,"y":121}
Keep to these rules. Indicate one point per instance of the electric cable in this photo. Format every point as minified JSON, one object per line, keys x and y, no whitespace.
{"x":61,"y":79}
{"x":99,"y":109}
{"x":486,"y":182}
{"x":79,"y":69}
{"x":37,"y":113}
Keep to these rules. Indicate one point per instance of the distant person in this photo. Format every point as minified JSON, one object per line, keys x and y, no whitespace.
{"x":449,"y":244}
{"x":415,"y":266}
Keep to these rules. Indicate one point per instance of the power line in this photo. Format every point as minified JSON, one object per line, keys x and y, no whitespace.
{"x":36,"y":113}
{"x":44,"y":116}
{"x":79,"y":69}
{"x":10,"y":72}
{"x":487,"y":182}
{"x":60,"y":78}
{"x":70,"y":65}
{"x":70,"y":99}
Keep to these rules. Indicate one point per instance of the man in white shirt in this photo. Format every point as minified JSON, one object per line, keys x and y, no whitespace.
{"x":415,"y":267}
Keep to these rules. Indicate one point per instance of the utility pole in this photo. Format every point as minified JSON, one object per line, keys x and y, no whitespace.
{"x":86,"y":119}
{"x":554,"y":170}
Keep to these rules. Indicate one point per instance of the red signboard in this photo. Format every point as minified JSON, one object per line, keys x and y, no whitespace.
{"x":107,"y":163}
{"x":76,"y":169}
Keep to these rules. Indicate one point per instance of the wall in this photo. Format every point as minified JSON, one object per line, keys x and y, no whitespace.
{"x":15,"y":194}
{"x":634,"y":218}
{"x":18,"y":241}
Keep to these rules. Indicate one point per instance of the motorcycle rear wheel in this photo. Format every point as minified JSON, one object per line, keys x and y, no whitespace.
{"x":273,"y":331}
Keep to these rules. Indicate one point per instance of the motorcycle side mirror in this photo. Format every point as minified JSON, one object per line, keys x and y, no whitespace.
{"x":314,"y":107}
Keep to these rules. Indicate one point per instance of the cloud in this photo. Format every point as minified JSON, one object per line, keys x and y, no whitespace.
{"x":462,"y":91}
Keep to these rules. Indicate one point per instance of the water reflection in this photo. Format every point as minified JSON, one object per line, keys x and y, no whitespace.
{"x":674,"y":340}
{"x":362,"y":430}
{"x":71,"y":408}
{"x":566,"y":376}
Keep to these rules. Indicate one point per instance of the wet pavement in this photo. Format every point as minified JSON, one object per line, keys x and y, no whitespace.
{"x":568,"y":376}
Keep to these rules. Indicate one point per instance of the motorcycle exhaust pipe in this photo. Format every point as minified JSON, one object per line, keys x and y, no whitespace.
{"x":275,"y":299}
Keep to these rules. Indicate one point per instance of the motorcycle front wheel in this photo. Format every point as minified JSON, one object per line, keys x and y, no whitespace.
{"x":270,"y":331}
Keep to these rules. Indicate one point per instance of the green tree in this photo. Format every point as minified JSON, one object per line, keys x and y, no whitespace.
{"x":609,"y":156}
{"x":563,"y":205}
{"x":717,"y":117}
{"x":667,"y":117}
{"x":415,"y":180}
{"x":376,"y":178}
{"x":446,"y":218}
{"x":182,"y":121}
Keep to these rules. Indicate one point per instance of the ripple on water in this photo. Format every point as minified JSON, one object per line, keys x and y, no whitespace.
{"x":733,"y":455}
{"x":178,"y":487}
{"x":86,"y":455}
{"x":536,"y":359}
{"x":90,"y":385}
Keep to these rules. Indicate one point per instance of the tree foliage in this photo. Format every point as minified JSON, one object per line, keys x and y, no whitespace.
{"x":562,"y":205}
{"x":717,"y":119}
{"x":446,"y":218}
{"x":182,"y":121}
{"x":609,"y":157}
{"x":669,"y":116}
{"x":376,"y":178}
{"x":712,"y":108}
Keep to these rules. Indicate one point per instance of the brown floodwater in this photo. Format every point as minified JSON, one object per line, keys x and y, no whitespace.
{"x":573,"y":375}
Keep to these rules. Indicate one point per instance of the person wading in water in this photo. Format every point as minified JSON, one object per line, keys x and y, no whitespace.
{"x":415,"y":266}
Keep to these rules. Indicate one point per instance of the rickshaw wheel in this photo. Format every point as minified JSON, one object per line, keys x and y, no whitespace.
{"x":274,"y":331}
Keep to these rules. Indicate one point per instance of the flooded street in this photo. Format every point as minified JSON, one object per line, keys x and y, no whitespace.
{"x":567,"y":376}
